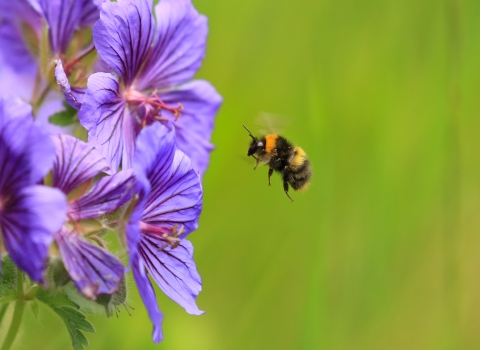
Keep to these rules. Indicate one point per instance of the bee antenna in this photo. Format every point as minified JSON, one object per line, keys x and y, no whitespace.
{"x":250,"y":133}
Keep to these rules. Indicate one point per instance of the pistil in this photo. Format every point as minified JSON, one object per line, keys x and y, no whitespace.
{"x":152,"y":104}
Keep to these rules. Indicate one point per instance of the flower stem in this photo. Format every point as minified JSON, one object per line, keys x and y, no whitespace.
{"x":17,"y":314}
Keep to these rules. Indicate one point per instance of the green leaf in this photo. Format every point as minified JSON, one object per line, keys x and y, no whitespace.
{"x":65,"y":117}
{"x":35,"y":308}
{"x":75,"y":321}
{"x":8,"y":281}
{"x":84,"y":305}
{"x":55,"y":299}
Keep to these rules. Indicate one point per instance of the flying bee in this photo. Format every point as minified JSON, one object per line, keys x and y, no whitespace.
{"x":282,"y":156}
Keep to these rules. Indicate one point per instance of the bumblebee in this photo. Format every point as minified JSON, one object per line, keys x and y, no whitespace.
{"x":281,"y":156}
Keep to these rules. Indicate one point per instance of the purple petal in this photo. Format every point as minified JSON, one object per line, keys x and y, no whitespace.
{"x":23,"y":78}
{"x":175,"y":198}
{"x":147,"y":293}
{"x":26,"y":152}
{"x":173,"y":269}
{"x":110,"y":126}
{"x":17,"y":18}
{"x":14,"y":109}
{"x":107,"y":195}
{"x":194,"y":128}
{"x":141,"y":279}
{"x":63,"y":18}
{"x":90,"y":12}
{"x":27,"y":220}
{"x":179,"y":46}
{"x":26,"y":11}
{"x":93,"y":270}
{"x":13,"y":48}
{"x":155,"y":152}
{"x":74,"y":96}
{"x":123,"y":36}
{"x":76,"y":162}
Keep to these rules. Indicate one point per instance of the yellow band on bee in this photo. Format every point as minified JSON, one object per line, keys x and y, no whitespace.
{"x":298,"y":158}
{"x":270,"y":142}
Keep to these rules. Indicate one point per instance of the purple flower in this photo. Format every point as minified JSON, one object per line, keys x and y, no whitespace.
{"x":63,"y":17}
{"x":29,"y":213}
{"x":21,"y":24}
{"x":154,"y":62}
{"x":167,"y":210}
{"x":17,"y":17}
{"x":93,"y":270}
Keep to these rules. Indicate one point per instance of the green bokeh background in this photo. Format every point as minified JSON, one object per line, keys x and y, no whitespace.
{"x":383,"y":250}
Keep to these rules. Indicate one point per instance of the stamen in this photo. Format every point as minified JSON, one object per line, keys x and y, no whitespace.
{"x":172,"y":238}
{"x":152,"y":104}
{"x":169,"y":235}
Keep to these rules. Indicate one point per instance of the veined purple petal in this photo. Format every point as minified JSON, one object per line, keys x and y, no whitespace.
{"x":63,"y":18}
{"x":90,"y":12}
{"x":93,"y":270}
{"x":149,"y":299}
{"x":26,"y":152}
{"x":110,"y":126}
{"x":28,"y":219}
{"x":175,"y":197}
{"x":194,"y":128}
{"x":179,"y":46}
{"x":76,"y":162}
{"x":173,"y":270}
{"x":123,"y":36}
{"x":74,"y":96}
{"x":170,"y":195}
{"x":107,"y":195}
{"x":155,"y":152}
{"x":139,"y":273}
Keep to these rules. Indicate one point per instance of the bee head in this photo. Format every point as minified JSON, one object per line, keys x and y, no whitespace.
{"x":254,"y":145}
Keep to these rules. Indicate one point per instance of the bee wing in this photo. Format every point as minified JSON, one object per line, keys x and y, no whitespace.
{"x":269,"y":123}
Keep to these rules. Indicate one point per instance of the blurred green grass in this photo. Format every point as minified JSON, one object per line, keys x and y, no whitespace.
{"x":382,"y":251}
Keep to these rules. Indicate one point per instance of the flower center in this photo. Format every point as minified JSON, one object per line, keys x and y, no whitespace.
{"x":150,"y":106}
{"x":169,"y":235}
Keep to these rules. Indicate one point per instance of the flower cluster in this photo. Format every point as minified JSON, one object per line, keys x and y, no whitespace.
{"x":124,"y":158}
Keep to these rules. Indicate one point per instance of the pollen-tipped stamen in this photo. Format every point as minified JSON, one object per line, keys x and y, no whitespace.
{"x":152,"y":104}
{"x":169,"y":235}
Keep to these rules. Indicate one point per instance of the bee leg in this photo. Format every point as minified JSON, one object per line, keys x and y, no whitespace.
{"x":270,"y":172}
{"x":256,"y":164}
{"x":285,"y":188}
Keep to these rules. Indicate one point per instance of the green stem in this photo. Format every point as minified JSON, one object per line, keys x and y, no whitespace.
{"x":37,"y":101}
{"x":17,"y":314}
